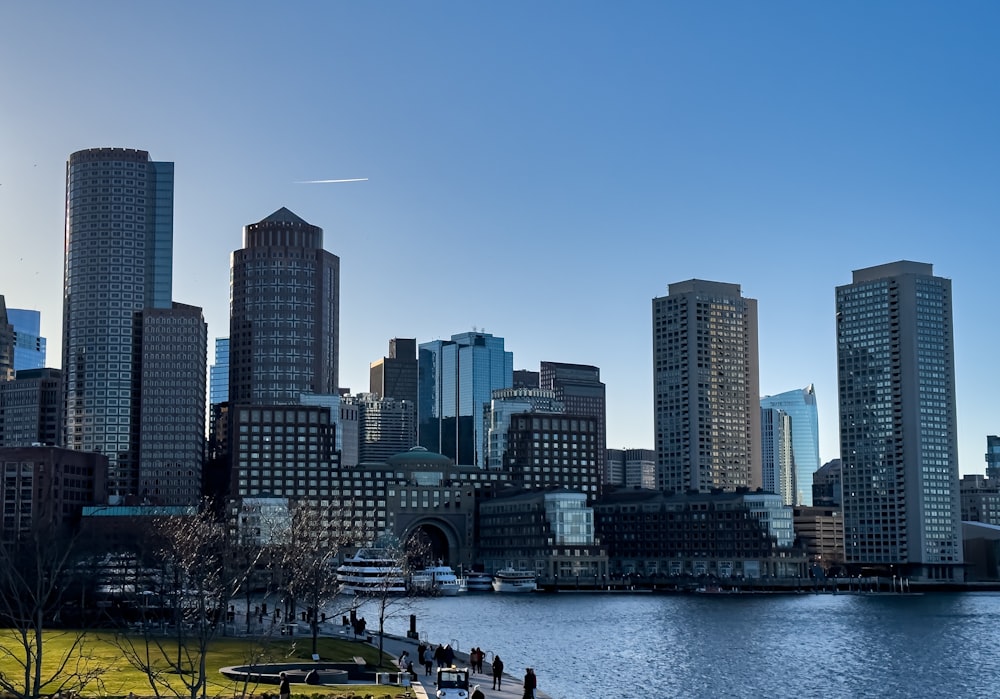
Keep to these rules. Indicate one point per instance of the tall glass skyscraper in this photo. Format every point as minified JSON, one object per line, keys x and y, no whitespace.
{"x":218,"y":375}
{"x":118,"y":244}
{"x":456,"y":379}
{"x":29,"y":345}
{"x":898,"y":437}
{"x":706,"y":388}
{"x":800,"y":405}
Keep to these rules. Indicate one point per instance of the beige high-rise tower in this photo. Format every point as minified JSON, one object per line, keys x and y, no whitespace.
{"x":706,"y":388}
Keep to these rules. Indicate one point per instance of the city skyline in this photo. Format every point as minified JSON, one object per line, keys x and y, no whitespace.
{"x":616,"y":151}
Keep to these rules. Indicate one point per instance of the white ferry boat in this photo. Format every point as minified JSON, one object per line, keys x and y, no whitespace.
{"x":371,"y":571}
{"x":437,"y":580}
{"x":479,"y":582}
{"x":510,"y":580}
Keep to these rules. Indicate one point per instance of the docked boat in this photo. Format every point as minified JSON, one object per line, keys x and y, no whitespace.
{"x":479,"y":582}
{"x":510,"y":580}
{"x":437,"y":580}
{"x":371,"y":572}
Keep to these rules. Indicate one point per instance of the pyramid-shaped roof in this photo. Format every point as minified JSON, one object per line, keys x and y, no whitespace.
{"x":283,"y":215}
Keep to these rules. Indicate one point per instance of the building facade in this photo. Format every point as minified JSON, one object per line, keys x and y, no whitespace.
{"x":631,"y":468}
{"x":6,"y":344}
{"x":554,"y":450}
{"x":496,"y":418}
{"x":898,"y":444}
{"x":827,"y":484}
{"x":118,"y":262}
{"x":31,"y":409}
{"x":778,"y":464}
{"x":29,"y":345}
{"x":993,"y":457}
{"x":706,"y":388}
{"x":284,"y":313}
{"x":456,"y":380}
{"x":580,"y":389}
{"x":386,"y":427}
{"x":800,"y":405}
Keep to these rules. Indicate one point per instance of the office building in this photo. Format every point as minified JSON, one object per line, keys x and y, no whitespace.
{"x":6,"y":344}
{"x":284,"y":313}
{"x":31,"y":409}
{"x":800,"y":405}
{"x":898,"y":444}
{"x":29,"y":345}
{"x":456,"y":379}
{"x":174,"y":345}
{"x":507,"y":402}
{"x":395,"y":376}
{"x":631,"y":468}
{"x":827,"y":485}
{"x":547,"y":450}
{"x":778,"y":466}
{"x":706,"y":388}
{"x":581,"y":391}
{"x":118,"y":263}
{"x":386,"y":426}
{"x":980,"y":497}
{"x":993,"y":457}
{"x":218,"y":373}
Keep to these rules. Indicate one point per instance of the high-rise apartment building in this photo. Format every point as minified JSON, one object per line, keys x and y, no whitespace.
{"x":581,"y":391}
{"x":29,"y":345}
{"x":118,"y":263}
{"x":898,"y":443}
{"x":706,"y":388}
{"x":456,"y":379}
{"x":800,"y":405}
{"x":284,"y":313}
{"x":778,"y":465}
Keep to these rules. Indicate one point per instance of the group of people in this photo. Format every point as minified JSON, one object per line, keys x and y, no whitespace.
{"x":444,"y":655}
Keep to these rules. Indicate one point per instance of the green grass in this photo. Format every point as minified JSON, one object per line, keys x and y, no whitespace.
{"x":100,"y":650}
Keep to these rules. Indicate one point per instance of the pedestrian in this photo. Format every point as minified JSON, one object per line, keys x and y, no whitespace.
{"x":497,"y":671}
{"x":477,"y":693}
{"x":439,"y":655}
{"x":410,"y":671}
{"x":530,"y":682}
{"x":403,"y":660}
{"x":284,"y":688}
{"x":428,"y":663}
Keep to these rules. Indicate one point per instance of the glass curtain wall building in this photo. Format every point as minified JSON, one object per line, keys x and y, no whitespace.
{"x":898,"y":439}
{"x":800,"y":405}
{"x":456,"y":379}
{"x":29,"y":345}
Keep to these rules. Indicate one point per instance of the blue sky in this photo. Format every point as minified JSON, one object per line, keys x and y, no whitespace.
{"x":537,"y":170}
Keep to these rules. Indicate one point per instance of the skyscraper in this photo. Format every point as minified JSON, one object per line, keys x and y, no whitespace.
{"x":706,"y":388}
{"x":284,"y":313}
{"x":800,"y":405}
{"x":581,"y":391}
{"x":778,"y":465}
{"x":218,"y":383}
{"x":119,"y":248}
{"x":898,"y":444}
{"x":29,"y":345}
{"x":6,"y":344}
{"x":456,"y":379}
{"x":395,"y":377}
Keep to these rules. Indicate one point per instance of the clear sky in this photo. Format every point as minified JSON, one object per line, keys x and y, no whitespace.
{"x":539,"y":170}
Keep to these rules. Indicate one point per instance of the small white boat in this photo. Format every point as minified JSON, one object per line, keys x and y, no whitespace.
{"x":437,"y":580}
{"x":371,"y":572}
{"x":510,"y":580}
{"x":479,"y":582}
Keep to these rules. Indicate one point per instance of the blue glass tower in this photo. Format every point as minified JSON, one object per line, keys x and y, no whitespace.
{"x":218,"y":379}
{"x":29,"y":345}
{"x":455,"y":380}
{"x":800,"y":405}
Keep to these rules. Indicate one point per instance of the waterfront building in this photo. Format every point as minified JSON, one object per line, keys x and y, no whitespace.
{"x":31,"y":409}
{"x":6,"y":344}
{"x":580,"y":389}
{"x":706,"y":388}
{"x":386,"y":426}
{"x":507,"y":402}
{"x":820,"y":531}
{"x":546,"y":450}
{"x":827,"y":486}
{"x":118,"y":264}
{"x":778,"y":463}
{"x":993,"y":457}
{"x":980,"y":497}
{"x":722,"y":534}
{"x":284,"y":313}
{"x":29,"y":345}
{"x":898,"y":443}
{"x":47,"y":487}
{"x":631,"y":468}
{"x":800,"y":405}
{"x":549,"y":532}
{"x":174,"y":345}
{"x":456,"y":379}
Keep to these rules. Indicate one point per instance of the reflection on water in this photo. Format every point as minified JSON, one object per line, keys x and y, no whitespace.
{"x":644,"y":645}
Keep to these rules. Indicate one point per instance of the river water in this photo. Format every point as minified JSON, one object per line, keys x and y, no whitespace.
{"x":611,"y":645}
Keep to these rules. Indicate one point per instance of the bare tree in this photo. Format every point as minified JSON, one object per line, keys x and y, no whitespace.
{"x":196,"y":579}
{"x":310,"y":547}
{"x":36,"y":574}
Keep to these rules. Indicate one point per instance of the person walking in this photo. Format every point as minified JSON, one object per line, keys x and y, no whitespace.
{"x":530,"y":682}
{"x":428,"y":661}
{"x":497,"y":671}
{"x":284,"y":687}
{"x":477,"y":693}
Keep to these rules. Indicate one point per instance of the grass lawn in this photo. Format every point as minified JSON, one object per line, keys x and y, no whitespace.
{"x":101,"y":650}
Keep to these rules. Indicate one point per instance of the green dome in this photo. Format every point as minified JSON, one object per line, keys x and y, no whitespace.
{"x":419,"y":456}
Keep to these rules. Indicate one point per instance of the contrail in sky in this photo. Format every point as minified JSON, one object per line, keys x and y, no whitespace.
{"x":356,"y":179}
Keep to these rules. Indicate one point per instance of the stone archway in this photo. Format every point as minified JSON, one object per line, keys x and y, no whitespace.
{"x":437,"y":539}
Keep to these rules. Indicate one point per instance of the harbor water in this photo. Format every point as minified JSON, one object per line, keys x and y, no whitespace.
{"x":612,"y":645}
